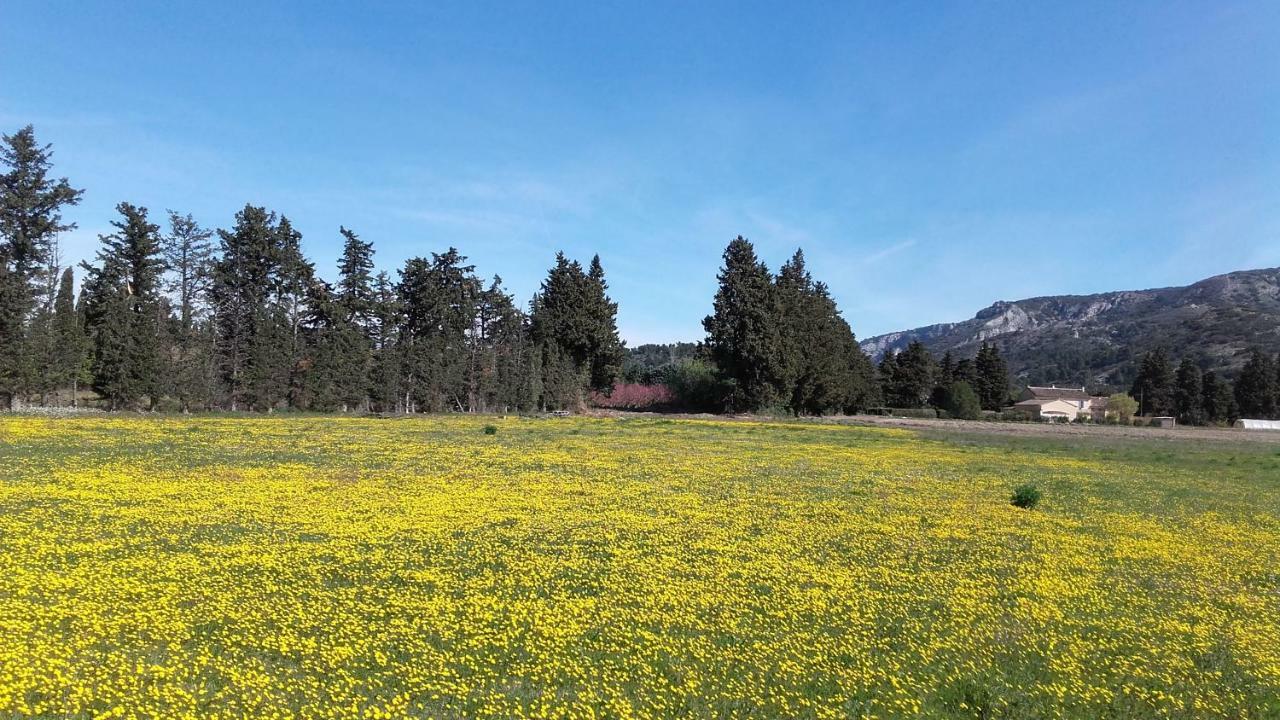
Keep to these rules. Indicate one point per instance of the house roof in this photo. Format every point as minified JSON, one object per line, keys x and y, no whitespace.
{"x":1057,"y":393}
{"x":1037,"y":402}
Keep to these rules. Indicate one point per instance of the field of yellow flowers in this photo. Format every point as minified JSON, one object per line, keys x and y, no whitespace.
{"x":321,"y":567}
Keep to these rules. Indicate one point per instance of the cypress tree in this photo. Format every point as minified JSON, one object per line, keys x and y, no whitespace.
{"x":992,"y":378}
{"x":602,"y":317}
{"x":31,"y":204}
{"x":821,"y":368}
{"x":743,"y":337}
{"x":910,"y":380}
{"x":574,"y":323}
{"x":240,"y":284}
{"x":71,"y":343}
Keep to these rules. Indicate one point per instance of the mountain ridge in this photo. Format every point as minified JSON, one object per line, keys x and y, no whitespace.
{"x":1094,"y":339}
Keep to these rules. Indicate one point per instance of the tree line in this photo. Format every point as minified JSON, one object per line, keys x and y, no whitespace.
{"x":238,"y":318}
{"x":1199,"y":397}
{"x":188,"y":317}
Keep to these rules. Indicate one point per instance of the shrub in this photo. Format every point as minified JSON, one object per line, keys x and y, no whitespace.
{"x":1025,"y":496}
{"x":961,"y":401}
{"x":695,"y":386}
{"x":1122,"y":405}
{"x":631,"y":396}
{"x":490,"y":429}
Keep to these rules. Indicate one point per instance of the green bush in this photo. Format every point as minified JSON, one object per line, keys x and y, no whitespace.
{"x":490,"y":429}
{"x":961,"y":402}
{"x":696,"y":386}
{"x":1025,"y":496}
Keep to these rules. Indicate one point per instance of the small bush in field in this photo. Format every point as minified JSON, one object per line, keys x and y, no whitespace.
{"x":1025,"y":496}
{"x":490,"y":429}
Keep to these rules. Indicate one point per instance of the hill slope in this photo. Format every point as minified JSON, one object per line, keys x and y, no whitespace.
{"x":1094,"y":339}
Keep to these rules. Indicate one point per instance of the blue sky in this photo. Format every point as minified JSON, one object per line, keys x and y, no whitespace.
{"x":930,"y":158}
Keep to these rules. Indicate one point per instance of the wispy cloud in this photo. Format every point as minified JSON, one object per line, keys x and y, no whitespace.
{"x":889,"y":251}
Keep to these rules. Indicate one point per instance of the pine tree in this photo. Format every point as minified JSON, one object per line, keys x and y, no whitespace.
{"x":1188,"y":394}
{"x":31,"y":204}
{"x":125,"y":312}
{"x":355,"y":290}
{"x":1255,"y":388}
{"x":259,"y":289}
{"x":1153,"y":387}
{"x":188,"y":254}
{"x":386,"y":365}
{"x":501,"y":352}
{"x":992,"y":378}
{"x":743,"y":337}
{"x":351,"y":324}
{"x":437,"y":302}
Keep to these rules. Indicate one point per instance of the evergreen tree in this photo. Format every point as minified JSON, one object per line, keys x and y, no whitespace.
{"x":257,"y":287}
{"x":1255,"y":388}
{"x":1153,"y":387}
{"x":385,"y":330}
{"x":909,"y":382}
{"x":885,"y":372}
{"x":992,"y":378}
{"x":31,"y":204}
{"x":125,"y":312}
{"x":71,"y":344}
{"x":188,"y":254}
{"x":743,"y":337}
{"x":355,"y":292}
{"x":437,"y":301}
{"x":350,"y":325}
{"x":573,"y":321}
{"x":966,"y":371}
{"x":943,"y":378}
{"x":501,"y":352}
{"x":1188,"y":394}
{"x":822,"y":369}
{"x":1216,"y":398}
{"x":606,"y":346}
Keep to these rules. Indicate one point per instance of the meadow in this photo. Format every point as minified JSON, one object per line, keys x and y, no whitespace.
{"x":328,"y":567}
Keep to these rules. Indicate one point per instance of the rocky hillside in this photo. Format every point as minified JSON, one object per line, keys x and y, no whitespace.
{"x":1095,"y":339}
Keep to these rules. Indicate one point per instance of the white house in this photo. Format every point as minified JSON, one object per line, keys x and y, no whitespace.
{"x":1053,"y":402}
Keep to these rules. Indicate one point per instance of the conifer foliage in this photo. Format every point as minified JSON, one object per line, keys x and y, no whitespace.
{"x":781,"y":342}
